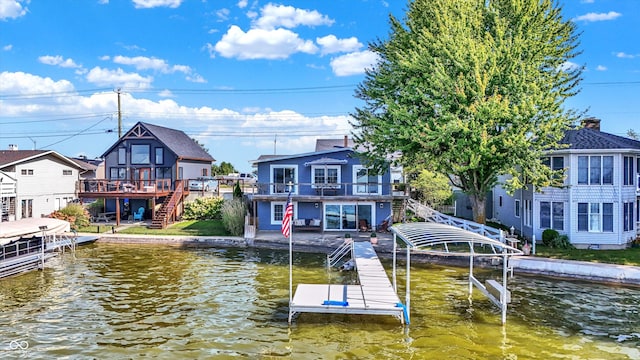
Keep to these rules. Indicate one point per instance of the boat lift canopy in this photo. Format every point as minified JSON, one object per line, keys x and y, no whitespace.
{"x":438,"y":238}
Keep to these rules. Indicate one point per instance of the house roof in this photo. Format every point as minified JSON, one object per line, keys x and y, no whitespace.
{"x":269,"y":158}
{"x":175,"y":140}
{"x":590,"y":139}
{"x":86,"y":166}
{"x":13,"y":157}
{"x":329,"y":144}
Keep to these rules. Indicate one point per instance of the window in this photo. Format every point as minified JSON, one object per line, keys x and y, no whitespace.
{"x":140,"y":154}
{"x":277,"y":212}
{"x":281,"y":177}
{"x":26,"y":172}
{"x":27,"y":208}
{"x":67,"y":172}
{"x":628,"y":173}
{"x":555,"y":163}
{"x":325,"y":176}
{"x":159,"y":156}
{"x":552,"y":215}
{"x":366,"y":182}
{"x":163,"y":173}
{"x":527,"y":212}
{"x":117,"y":173}
{"x":595,"y":217}
{"x":122,"y":156}
{"x":517,"y":208}
{"x":500,"y":201}
{"x":205,"y":172}
{"x":595,"y":170}
{"x":628,"y":216}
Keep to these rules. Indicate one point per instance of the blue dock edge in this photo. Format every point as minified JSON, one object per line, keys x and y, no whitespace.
{"x":404,"y":311}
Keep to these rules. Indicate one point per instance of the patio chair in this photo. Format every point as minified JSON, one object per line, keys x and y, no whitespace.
{"x":138,"y":214}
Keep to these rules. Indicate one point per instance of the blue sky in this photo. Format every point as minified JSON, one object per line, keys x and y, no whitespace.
{"x":245,"y":78}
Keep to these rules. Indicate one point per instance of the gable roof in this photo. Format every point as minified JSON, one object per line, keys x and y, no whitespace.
{"x":177,"y":141}
{"x":13,"y":157}
{"x":590,"y":139}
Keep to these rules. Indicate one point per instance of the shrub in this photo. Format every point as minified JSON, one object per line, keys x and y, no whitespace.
{"x":561,"y":242}
{"x":209,"y":208}
{"x":233,"y":216}
{"x":75,"y":214}
{"x":548,"y":235}
{"x":237,"y":191}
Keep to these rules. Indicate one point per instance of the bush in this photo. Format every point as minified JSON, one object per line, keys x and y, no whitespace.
{"x":75,"y":214}
{"x":548,"y":236}
{"x":203,"y":209}
{"x":233,"y":216}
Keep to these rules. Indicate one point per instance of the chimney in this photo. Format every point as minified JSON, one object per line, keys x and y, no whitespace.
{"x":346,"y":141}
{"x":13,"y":147}
{"x":591,"y":123}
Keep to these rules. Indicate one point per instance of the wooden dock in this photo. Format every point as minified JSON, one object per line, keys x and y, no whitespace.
{"x":373,"y":296}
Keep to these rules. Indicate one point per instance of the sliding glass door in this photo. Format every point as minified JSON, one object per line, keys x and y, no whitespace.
{"x":347,"y":216}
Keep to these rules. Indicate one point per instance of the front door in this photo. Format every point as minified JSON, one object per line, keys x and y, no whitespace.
{"x":143,"y":175}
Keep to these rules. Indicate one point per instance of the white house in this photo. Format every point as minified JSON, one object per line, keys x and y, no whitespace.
{"x":45,"y":180}
{"x":598,"y":207}
{"x":7,"y":196}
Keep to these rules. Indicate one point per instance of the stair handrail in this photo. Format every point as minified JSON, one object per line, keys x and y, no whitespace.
{"x":338,"y":254}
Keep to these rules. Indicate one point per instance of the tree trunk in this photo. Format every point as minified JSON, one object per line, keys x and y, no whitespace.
{"x":478,"y":203}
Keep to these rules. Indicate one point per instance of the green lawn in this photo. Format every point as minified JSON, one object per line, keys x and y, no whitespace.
{"x":186,"y":228}
{"x":629,"y":256}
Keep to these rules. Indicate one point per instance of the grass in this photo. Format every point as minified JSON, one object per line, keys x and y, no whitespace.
{"x":183,"y":228}
{"x":629,"y":256}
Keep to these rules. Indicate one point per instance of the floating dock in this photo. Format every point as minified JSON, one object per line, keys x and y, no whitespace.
{"x":373,"y":296}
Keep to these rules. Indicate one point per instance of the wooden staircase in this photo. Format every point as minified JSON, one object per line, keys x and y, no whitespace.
{"x":167,"y":211}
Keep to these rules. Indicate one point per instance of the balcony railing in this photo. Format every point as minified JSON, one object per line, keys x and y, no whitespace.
{"x":331,"y":189}
{"x":124,"y":186}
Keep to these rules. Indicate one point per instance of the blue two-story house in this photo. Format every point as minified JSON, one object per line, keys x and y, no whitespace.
{"x":330,"y":188}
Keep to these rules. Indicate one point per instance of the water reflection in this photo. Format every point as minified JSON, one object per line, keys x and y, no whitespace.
{"x":161,"y":302}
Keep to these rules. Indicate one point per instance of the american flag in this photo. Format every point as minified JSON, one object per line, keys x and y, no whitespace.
{"x":286,"y":217}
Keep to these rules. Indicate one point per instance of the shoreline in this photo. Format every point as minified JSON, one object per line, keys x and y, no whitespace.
{"x":610,"y":274}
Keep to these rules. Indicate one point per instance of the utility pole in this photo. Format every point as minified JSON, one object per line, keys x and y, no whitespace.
{"x":119,"y":115}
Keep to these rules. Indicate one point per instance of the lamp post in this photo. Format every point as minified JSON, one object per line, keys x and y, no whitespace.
{"x":43,"y":228}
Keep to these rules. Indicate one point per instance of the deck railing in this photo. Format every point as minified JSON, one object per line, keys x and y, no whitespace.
{"x":331,"y":189}
{"x":137,"y":186}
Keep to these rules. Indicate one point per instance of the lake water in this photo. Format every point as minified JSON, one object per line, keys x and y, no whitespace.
{"x":123,"y":301}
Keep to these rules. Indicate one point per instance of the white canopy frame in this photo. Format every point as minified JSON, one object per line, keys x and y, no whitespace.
{"x":427,"y":235}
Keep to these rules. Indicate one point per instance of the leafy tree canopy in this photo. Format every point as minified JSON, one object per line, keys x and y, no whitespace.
{"x":224,"y":169}
{"x":471,"y":89}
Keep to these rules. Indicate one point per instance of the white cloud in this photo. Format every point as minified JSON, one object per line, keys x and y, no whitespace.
{"x":223,"y":14}
{"x":118,"y":78}
{"x":243,"y":4}
{"x":624,"y":55}
{"x":7,"y":47}
{"x":151,"y":63}
{"x":196,"y":78}
{"x":24,"y":83}
{"x":273,"y":16}
{"x":331,"y":44}
{"x":587,"y":1}
{"x":261,"y":44}
{"x":601,"y":68}
{"x":104,"y":58}
{"x":58,"y":61}
{"x":103,"y":2}
{"x":353,"y":63}
{"x":147,"y":4}
{"x":165,"y":93}
{"x":591,"y":17}
{"x":568,"y":66}
{"x":11,"y":9}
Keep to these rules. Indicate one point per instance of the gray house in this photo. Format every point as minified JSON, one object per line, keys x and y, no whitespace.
{"x":598,"y":205}
{"x":149,"y":168}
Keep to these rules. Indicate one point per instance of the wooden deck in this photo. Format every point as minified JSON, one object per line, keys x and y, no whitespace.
{"x":373,"y":296}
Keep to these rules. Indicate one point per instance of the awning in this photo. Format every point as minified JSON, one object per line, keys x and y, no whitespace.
{"x":325,"y":161}
{"x":24,"y":228}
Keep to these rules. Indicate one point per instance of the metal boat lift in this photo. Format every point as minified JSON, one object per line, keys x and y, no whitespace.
{"x":445,"y":238}
{"x":374,"y":294}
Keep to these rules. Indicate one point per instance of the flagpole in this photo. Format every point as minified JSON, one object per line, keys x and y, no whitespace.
{"x":290,"y":265}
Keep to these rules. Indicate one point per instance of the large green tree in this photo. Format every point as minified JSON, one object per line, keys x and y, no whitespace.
{"x":471,"y":89}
